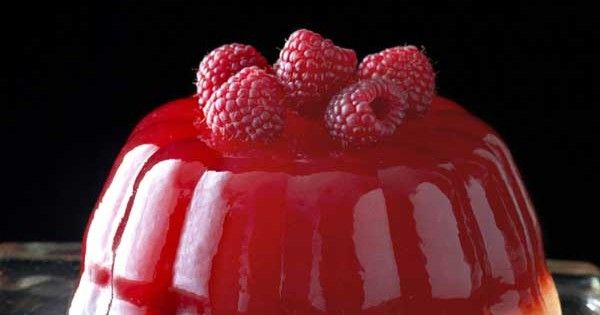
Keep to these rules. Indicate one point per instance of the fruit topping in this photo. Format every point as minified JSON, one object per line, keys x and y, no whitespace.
{"x":366,"y":111}
{"x":244,"y":101}
{"x":223,"y":62}
{"x":408,"y":67}
{"x":313,"y":69}
{"x":248,"y":107}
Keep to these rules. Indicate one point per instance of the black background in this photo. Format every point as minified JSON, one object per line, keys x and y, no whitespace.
{"x":85,"y":73}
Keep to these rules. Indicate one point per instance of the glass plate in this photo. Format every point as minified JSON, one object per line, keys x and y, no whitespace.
{"x":39,"y":278}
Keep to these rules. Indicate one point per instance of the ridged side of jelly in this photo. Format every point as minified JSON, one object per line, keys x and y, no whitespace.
{"x":434,"y":220}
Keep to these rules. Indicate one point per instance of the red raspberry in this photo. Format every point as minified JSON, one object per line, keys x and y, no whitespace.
{"x":222,"y":63}
{"x":409,"y":68}
{"x":248,"y":107}
{"x":313,"y":69}
{"x":366,"y":111}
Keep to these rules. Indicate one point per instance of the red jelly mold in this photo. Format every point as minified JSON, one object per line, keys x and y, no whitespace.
{"x":434,"y":220}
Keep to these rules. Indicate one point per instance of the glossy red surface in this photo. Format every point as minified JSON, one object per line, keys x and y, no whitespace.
{"x":433,"y":221}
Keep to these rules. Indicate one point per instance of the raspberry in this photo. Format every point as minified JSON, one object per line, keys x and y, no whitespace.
{"x":248,"y":107}
{"x":313,"y":69}
{"x":222,"y":63}
{"x":408,"y":67}
{"x":366,"y":111}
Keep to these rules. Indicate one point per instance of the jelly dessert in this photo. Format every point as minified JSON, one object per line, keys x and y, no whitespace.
{"x":317,"y":185}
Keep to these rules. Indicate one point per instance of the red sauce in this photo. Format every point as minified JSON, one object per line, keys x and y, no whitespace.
{"x":432,"y":221}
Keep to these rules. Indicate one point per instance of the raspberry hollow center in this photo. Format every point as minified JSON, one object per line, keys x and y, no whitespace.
{"x":380,"y":107}
{"x":365,"y":112}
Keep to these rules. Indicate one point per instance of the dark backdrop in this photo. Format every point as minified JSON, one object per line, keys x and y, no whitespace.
{"x":85,"y":73}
